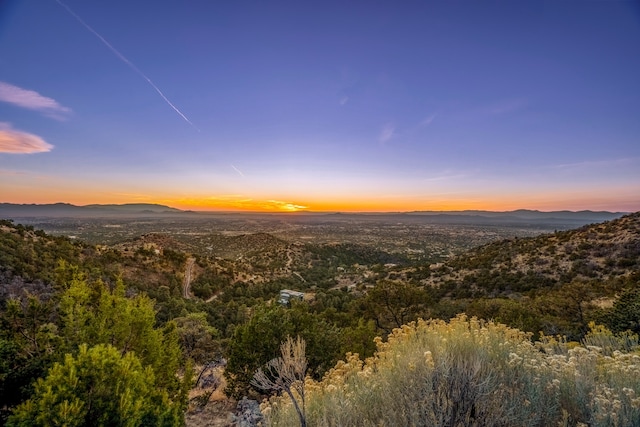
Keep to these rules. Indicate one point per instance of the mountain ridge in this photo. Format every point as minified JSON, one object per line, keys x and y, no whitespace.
{"x":9,"y":210}
{"x":15,"y":210}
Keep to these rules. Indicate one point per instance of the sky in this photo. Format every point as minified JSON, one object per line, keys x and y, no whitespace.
{"x":322,"y":106}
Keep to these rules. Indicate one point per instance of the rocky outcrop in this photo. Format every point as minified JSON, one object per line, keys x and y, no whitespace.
{"x":248,"y":414}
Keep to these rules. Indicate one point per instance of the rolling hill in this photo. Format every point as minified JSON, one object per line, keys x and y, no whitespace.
{"x":601,"y":252}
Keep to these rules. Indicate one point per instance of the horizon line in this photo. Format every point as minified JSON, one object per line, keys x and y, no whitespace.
{"x":306,"y":211}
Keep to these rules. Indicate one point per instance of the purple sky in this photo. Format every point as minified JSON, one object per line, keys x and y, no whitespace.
{"x":329,"y":105}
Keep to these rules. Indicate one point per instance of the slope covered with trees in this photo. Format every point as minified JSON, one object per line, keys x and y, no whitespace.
{"x":64,"y":334}
{"x":555,"y":283}
{"x":604,"y":252}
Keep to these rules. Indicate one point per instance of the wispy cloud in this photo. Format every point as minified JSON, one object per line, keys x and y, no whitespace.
{"x":11,"y":172}
{"x":592,"y":164}
{"x":237,"y":170}
{"x":344,"y":100}
{"x":446,"y":176}
{"x":18,"y":142}
{"x":504,"y":107}
{"x":284,"y":206}
{"x":32,"y":100}
{"x":126,"y":61}
{"x":427,"y":121}
{"x":387,"y":133}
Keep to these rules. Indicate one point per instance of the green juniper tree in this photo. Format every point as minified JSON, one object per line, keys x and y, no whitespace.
{"x":98,"y":387}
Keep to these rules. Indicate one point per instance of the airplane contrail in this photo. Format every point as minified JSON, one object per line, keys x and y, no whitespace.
{"x":237,"y":170}
{"x":126,"y":61}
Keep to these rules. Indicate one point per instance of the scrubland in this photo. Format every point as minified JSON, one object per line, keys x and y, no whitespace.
{"x":471,"y":372}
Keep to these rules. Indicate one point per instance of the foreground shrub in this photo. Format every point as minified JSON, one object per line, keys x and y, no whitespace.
{"x":469,"y":372}
{"x":596,"y":383}
{"x":99,"y":387}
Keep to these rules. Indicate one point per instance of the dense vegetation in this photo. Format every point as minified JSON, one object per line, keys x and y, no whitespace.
{"x":468,"y":372}
{"x":67,"y":308}
{"x":73,"y":333}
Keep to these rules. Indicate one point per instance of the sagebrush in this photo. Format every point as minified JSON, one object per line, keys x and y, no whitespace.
{"x":470,"y":372}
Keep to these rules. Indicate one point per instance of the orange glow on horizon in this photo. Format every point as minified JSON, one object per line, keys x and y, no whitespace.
{"x":353,"y":205}
{"x":249,"y":205}
{"x":234,"y":203}
{"x":284,"y":203}
{"x":556,"y":202}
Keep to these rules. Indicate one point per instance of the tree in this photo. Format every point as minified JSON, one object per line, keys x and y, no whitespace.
{"x":286,"y":374}
{"x":28,"y":344}
{"x":96,"y":314}
{"x":518,"y":314}
{"x":197,"y":337}
{"x":359,"y":338}
{"x":98,"y":387}
{"x":625,"y":313}
{"x":258,"y":341}
{"x":88,"y":314}
{"x":568,"y":309}
{"x":392,"y":304}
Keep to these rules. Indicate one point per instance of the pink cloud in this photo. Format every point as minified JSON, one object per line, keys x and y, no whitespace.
{"x":31,"y":100}
{"x":18,"y":142}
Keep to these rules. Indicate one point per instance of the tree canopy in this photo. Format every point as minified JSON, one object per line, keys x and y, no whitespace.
{"x":98,"y":387}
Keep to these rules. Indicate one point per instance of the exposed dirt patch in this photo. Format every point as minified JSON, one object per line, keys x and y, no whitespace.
{"x":219,"y":408}
{"x":217,"y":413}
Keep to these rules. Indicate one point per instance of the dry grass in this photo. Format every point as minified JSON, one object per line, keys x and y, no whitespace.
{"x":469,"y":372}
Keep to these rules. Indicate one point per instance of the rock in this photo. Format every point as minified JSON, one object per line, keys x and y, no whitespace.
{"x":248,"y":414}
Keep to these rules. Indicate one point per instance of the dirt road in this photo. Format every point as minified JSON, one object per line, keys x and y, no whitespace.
{"x":186,"y":290}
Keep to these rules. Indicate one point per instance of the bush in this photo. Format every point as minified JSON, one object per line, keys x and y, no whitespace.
{"x":99,"y":387}
{"x":258,"y":341}
{"x":469,"y":372}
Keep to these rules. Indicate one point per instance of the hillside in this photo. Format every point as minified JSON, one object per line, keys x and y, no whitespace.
{"x":598,"y":252}
{"x":152,"y":242}
{"x":555,"y":283}
{"x":233,"y":246}
{"x":32,"y":254}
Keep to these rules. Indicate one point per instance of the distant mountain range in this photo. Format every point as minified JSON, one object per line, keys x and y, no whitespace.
{"x":11,"y":210}
{"x":521,"y":215}
{"x":59,"y":210}
{"x":530,"y":214}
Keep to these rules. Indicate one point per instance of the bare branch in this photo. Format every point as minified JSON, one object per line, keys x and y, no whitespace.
{"x":286,"y":374}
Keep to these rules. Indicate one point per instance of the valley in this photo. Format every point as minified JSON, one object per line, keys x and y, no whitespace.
{"x":419,"y":237}
{"x":215,"y":280}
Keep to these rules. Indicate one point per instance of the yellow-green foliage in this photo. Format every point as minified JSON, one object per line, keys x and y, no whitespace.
{"x":98,"y":387}
{"x":469,"y":372}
